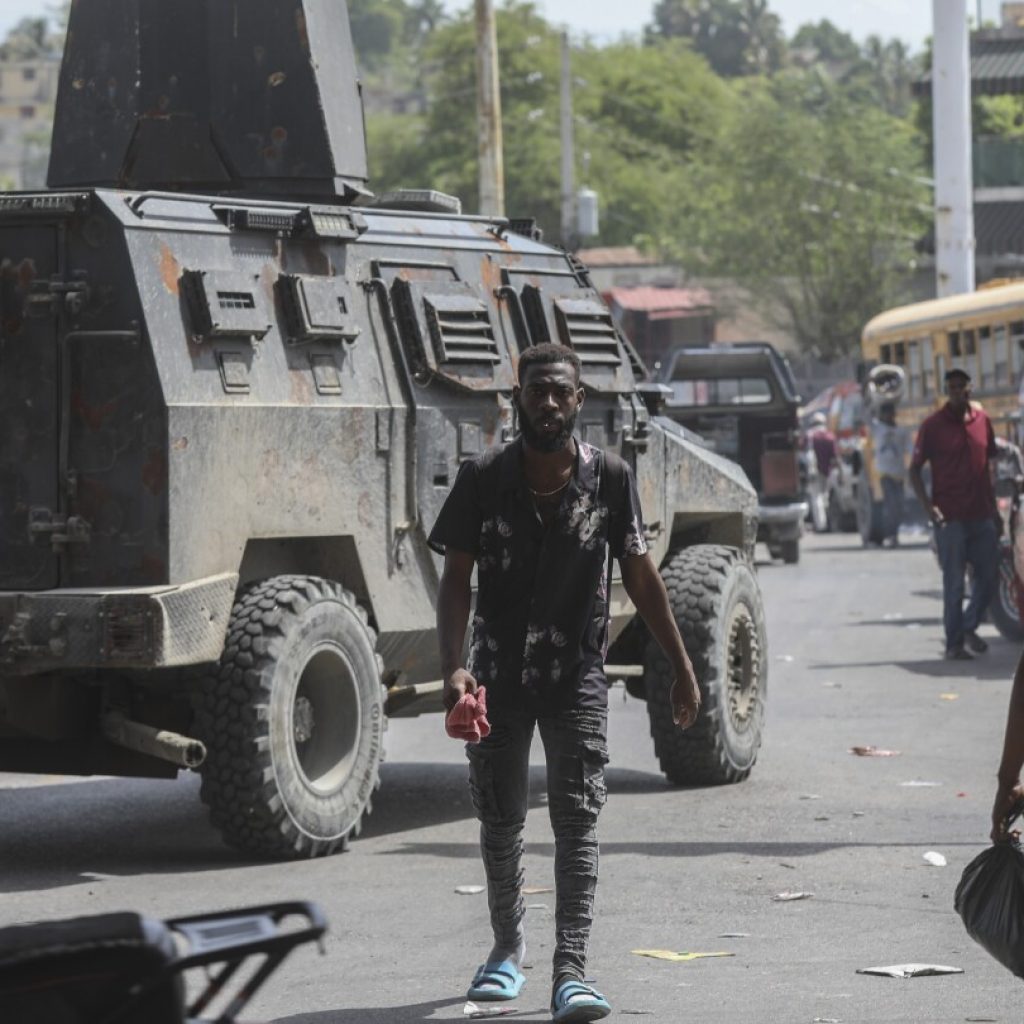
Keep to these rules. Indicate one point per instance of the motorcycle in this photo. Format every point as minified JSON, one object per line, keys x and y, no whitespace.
{"x":123,"y":968}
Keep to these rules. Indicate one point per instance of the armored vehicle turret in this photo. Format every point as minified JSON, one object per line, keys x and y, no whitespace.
{"x":235,"y":388}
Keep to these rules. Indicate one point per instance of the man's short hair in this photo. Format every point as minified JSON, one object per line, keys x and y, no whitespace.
{"x":957,"y":371}
{"x":542,"y":355}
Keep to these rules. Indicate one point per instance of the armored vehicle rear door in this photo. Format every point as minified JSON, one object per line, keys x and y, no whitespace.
{"x":29,"y":406}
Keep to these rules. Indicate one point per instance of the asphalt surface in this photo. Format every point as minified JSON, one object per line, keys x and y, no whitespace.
{"x":855,"y":645}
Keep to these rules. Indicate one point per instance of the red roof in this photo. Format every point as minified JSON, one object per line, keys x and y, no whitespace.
{"x":662,"y":303}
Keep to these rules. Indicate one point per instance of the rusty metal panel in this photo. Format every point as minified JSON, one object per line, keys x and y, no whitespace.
{"x":29,"y":405}
{"x":257,"y":97}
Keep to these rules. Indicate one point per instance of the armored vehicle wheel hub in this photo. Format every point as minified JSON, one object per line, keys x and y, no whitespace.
{"x":325,"y":720}
{"x":744,"y":666}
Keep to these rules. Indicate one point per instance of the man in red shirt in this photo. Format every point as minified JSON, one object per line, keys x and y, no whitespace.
{"x":958,"y":442}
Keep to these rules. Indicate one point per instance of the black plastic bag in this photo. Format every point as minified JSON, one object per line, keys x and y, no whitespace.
{"x":990,"y":902}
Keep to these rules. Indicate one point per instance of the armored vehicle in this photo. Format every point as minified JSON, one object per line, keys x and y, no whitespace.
{"x":743,"y":400}
{"x":235,"y":388}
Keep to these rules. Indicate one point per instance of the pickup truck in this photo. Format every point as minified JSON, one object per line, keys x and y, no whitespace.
{"x":742,"y":400}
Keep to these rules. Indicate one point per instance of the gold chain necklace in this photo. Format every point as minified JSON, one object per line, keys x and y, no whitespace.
{"x":548,"y":494}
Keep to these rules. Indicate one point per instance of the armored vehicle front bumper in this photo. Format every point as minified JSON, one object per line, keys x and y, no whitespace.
{"x":141,"y":628}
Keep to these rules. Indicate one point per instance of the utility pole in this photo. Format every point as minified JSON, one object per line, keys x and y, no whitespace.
{"x":568,"y":150}
{"x":951,"y":135}
{"x":488,"y":113}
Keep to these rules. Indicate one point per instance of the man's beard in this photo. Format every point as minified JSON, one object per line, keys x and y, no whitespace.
{"x":547,"y":443}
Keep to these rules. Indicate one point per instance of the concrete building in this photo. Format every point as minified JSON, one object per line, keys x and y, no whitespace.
{"x":28,"y":89}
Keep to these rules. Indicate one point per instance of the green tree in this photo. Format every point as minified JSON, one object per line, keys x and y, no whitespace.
{"x":29,"y":38}
{"x":811,"y":201}
{"x":738,"y":37}
{"x":823,"y":41}
{"x":377,"y":27}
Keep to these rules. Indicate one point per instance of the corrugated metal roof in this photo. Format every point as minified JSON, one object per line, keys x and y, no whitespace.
{"x":661,"y":301}
{"x":997,"y":67}
{"x":998,"y":229}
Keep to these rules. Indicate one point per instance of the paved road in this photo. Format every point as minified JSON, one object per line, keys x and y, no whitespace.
{"x":854,"y":645}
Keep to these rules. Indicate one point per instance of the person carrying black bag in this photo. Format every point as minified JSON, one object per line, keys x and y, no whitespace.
{"x":990,"y":895}
{"x":1009,"y":792}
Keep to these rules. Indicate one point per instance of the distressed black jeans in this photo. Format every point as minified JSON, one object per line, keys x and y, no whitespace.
{"x":576,"y":751}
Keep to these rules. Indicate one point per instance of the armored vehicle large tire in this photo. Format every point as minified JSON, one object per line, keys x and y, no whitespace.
{"x":717,"y":606}
{"x":293,"y":720}
{"x":1005,"y":608}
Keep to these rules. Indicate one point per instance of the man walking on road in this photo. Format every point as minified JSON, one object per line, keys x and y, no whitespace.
{"x":890,"y":448}
{"x":958,"y":441}
{"x":538,"y":518}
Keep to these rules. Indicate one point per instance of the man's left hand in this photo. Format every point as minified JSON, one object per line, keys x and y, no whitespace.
{"x":685,"y":699}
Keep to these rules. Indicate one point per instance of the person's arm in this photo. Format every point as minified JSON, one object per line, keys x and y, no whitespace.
{"x":932,"y":511}
{"x":646,"y":590}
{"x":453,"y":601}
{"x":918,"y":459}
{"x":1009,"y":791}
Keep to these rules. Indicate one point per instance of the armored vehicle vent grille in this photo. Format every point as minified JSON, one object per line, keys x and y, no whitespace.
{"x":460,"y":327}
{"x":236,"y":300}
{"x":587,"y":328}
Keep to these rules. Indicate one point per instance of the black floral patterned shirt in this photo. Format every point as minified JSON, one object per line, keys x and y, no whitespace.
{"x":540,"y":627}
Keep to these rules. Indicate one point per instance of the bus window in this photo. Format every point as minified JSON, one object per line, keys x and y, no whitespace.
{"x":954,"y":344}
{"x":1016,"y":348}
{"x":914,"y":370}
{"x":885,"y":354}
{"x":999,"y":344}
{"x":928,"y":367}
{"x":988,"y":358}
{"x":940,"y":371}
{"x":968,"y":345}
{"x":899,"y":355}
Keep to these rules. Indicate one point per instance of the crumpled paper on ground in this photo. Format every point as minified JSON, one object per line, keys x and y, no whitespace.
{"x":910,"y":970}
{"x":668,"y":954}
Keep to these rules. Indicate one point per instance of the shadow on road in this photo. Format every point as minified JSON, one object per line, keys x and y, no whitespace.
{"x":408,"y":1014}
{"x":471,"y":850}
{"x":995,"y":665}
{"x":70,"y":833}
{"x":860,"y":549}
{"x":934,"y":621}
{"x":420,"y":795}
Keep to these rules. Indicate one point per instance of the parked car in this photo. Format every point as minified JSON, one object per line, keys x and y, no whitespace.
{"x":742,"y":400}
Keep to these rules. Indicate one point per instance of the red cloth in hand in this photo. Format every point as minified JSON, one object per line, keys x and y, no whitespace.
{"x":468,"y":719}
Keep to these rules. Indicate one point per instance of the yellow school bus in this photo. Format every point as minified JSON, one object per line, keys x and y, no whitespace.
{"x":982,"y":332}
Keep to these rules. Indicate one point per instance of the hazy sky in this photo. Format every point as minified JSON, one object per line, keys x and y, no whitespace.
{"x":910,"y":20}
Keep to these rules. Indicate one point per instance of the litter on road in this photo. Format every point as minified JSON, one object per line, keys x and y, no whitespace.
{"x":788,"y":897}
{"x":475,"y":1012}
{"x":910,"y":970}
{"x":469,"y":890}
{"x":935,"y":859}
{"x":920,"y":784}
{"x":873,"y":752}
{"x":668,"y":954}
{"x":536,"y":890}
{"x":734,"y":935}
{"x":949,"y":696}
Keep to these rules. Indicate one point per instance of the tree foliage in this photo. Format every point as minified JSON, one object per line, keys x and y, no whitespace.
{"x":810,"y":200}
{"x":738,"y":37}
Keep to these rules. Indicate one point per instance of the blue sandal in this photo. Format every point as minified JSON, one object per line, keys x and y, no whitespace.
{"x":575,"y":1003}
{"x":496,"y":981}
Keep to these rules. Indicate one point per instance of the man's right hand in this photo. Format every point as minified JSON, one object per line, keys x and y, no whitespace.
{"x":458,"y":683}
{"x":936,"y":516}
